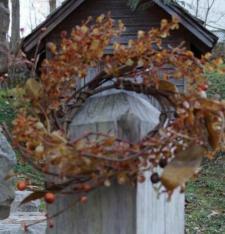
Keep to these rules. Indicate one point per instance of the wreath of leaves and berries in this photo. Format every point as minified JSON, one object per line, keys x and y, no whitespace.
{"x":191,"y":126}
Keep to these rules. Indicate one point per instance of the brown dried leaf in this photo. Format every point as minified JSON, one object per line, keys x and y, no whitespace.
{"x":167,"y":86}
{"x":33,"y":196}
{"x":184,"y":166}
{"x":214,"y":130}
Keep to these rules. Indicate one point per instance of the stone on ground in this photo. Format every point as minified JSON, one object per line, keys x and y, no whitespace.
{"x":21,"y":215}
{"x":33,"y":206}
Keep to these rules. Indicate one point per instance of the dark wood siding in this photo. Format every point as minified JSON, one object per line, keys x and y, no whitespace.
{"x":134,"y":20}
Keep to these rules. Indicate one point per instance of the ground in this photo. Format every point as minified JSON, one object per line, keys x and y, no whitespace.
{"x":205,"y":208}
{"x":205,"y":197}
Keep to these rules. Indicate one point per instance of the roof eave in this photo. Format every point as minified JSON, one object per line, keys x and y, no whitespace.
{"x":43,"y":29}
{"x":192,"y":24}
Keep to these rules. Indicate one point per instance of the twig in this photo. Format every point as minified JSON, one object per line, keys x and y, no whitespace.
{"x":71,"y":205}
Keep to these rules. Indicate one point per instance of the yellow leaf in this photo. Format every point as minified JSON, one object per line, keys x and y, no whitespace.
{"x":52,"y":47}
{"x":183,"y":167}
{"x":208,"y":55}
{"x":129,"y":62}
{"x":100,"y":18}
{"x":95,"y":31}
{"x":33,"y":89}
{"x":39,"y":149}
{"x":84,"y":29}
{"x":39,"y":125}
{"x":59,"y":136}
{"x":94,"y":45}
{"x":141,"y":34}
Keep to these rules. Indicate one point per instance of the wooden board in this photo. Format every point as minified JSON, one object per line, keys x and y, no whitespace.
{"x":119,"y":209}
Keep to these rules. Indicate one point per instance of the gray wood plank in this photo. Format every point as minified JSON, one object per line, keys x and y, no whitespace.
{"x":119,"y":209}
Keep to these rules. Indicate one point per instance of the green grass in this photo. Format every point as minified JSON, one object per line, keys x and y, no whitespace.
{"x":216,"y":84}
{"x":205,"y":209}
{"x":7,"y":113}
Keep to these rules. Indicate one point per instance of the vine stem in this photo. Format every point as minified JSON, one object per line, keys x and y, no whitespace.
{"x":71,"y":205}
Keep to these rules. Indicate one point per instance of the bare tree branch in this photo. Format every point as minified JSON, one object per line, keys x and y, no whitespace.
{"x":208,"y":10}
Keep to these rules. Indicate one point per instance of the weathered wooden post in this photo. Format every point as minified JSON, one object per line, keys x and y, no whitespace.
{"x":119,"y":209}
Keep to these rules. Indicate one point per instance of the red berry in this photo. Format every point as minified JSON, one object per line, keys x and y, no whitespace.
{"x":49,"y":197}
{"x":155,"y":178}
{"x":83,"y":199}
{"x":86,"y":187}
{"x":21,"y":185}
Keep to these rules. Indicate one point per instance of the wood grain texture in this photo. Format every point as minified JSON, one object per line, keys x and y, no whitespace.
{"x":157,"y":214}
{"x":108,"y":211}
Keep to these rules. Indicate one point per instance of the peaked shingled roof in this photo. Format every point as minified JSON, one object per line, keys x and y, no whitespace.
{"x":191,"y":23}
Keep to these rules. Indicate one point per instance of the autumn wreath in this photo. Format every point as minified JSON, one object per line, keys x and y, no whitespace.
{"x":192,"y":126}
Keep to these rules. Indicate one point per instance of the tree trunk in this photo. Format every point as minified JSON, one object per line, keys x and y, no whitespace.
{"x":52,"y":5}
{"x":4,"y":19}
{"x":12,"y":79}
{"x":15,"y":27}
